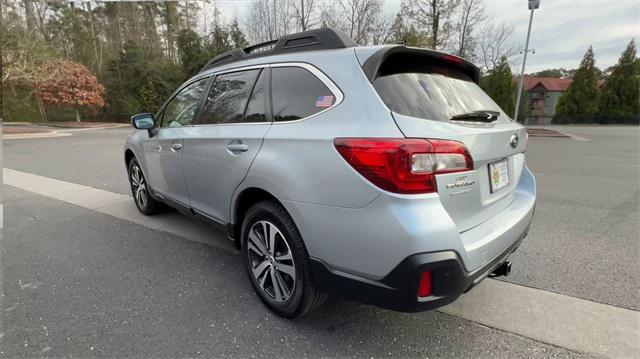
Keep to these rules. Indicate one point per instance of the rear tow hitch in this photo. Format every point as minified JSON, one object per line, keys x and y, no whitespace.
{"x":502,"y":270}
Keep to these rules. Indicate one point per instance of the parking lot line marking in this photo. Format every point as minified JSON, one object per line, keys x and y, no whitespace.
{"x":116,"y":205}
{"x":564,"y":321}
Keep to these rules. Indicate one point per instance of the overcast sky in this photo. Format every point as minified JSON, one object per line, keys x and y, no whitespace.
{"x":562,"y":29}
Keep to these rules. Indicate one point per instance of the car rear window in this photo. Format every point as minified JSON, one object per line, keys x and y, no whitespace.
{"x":431,"y":92}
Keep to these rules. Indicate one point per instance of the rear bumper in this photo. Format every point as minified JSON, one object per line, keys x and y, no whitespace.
{"x":370,"y":242}
{"x":398,"y":290}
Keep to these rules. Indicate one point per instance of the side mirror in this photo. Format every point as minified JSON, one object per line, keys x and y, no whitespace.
{"x":143,"y":121}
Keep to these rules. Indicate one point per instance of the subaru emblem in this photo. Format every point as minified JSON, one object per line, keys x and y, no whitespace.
{"x":514,"y":141}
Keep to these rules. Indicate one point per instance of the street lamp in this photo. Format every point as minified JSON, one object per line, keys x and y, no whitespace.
{"x":533,"y":4}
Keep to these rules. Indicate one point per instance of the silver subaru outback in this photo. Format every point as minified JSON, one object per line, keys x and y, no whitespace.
{"x":379,"y":174}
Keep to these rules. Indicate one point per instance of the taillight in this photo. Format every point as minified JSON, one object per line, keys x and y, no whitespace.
{"x":405,"y":166}
{"x":424,"y":286}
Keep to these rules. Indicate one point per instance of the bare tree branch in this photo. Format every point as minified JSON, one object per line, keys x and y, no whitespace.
{"x":471,"y":15}
{"x":436,"y":16}
{"x":496,"y":41}
{"x":358,"y":18}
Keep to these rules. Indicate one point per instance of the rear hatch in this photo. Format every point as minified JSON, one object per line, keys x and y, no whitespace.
{"x":436,"y":96}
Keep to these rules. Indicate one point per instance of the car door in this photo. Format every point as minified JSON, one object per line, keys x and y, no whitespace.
{"x":163,"y":150}
{"x":218,"y":151}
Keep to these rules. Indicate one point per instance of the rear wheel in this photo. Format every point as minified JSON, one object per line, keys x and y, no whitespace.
{"x":277,"y":262}
{"x":140,"y":190}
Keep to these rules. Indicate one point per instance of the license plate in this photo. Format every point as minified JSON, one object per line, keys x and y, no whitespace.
{"x":498,"y":175}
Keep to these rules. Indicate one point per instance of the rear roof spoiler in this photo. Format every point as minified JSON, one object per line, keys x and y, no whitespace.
{"x":371,"y":66}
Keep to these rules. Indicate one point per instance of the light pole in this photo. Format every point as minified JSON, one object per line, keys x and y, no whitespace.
{"x":533,"y":4}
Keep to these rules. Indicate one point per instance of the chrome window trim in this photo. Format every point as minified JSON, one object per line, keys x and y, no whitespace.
{"x":242,"y":68}
{"x":335,"y":90}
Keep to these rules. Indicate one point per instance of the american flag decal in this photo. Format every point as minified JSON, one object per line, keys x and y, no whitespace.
{"x":324,"y":101}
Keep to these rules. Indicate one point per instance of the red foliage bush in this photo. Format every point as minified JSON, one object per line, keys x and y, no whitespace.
{"x":67,"y":83}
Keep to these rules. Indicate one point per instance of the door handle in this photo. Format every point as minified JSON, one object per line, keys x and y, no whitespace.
{"x":176,"y":147}
{"x":237,"y":147}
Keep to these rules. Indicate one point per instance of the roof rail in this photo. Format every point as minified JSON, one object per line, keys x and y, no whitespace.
{"x":318,"y":39}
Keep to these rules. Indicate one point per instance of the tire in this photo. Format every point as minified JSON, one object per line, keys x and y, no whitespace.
{"x":297,"y":295}
{"x":145,"y":203}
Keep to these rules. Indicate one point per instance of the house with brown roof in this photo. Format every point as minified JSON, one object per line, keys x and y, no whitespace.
{"x":543,"y":94}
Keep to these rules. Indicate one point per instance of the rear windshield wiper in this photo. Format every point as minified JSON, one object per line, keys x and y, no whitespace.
{"x":484,"y":116}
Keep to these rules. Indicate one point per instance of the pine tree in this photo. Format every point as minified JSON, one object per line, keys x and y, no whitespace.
{"x":581,"y":98}
{"x":498,"y":84}
{"x":621,"y":91}
{"x":191,"y":52}
{"x":237,"y":36}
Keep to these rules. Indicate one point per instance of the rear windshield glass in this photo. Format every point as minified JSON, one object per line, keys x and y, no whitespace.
{"x":432,"y":92}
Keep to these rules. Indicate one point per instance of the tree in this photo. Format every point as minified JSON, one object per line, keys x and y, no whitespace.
{"x":559,"y":73}
{"x":132,"y":84}
{"x":269,"y":19}
{"x":621,"y":91}
{"x":74,"y":29}
{"x":470,"y":17}
{"x":408,"y":35}
{"x":218,"y":41}
{"x":499,"y":85}
{"x":23,"y":50}
{"x":495,"y":43}
{"x":436,"y":16}
{"x":191,"y":52}
{"x":67,"y":83}
{"x":238,"y":40}
{"x":357,"y":18}
{"x":581,"y":98}
{"x":304,"y":11}
{"x":381,"y":31}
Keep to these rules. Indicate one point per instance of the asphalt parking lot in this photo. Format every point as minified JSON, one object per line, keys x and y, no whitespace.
{"x":81,"y":279}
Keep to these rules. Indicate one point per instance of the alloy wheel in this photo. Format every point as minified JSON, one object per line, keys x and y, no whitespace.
{"x":271,"y":261}
{"x":139,"y":186}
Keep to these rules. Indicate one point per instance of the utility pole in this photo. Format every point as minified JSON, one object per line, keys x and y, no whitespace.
{"x":533,"y":4}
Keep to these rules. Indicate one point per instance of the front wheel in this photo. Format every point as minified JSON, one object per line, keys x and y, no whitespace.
{"x":140,"y":190}
{"x":277,"y":262}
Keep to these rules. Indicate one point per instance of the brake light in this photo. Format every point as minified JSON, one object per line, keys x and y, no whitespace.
{"x":453,"y":59}
{"x":407,"y":166}
{"x":424,"y":286}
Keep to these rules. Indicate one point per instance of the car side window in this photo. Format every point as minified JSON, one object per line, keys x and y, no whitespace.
{"x":256,"y":111}
{"x":297,"y":93}
{"x":227,"y":99}
{"x":181,"y":110}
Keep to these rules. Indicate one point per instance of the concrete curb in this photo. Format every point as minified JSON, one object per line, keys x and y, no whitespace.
{"x":71,"y":128}
{"x":557,"y":134}
{"x":22,"y":136}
